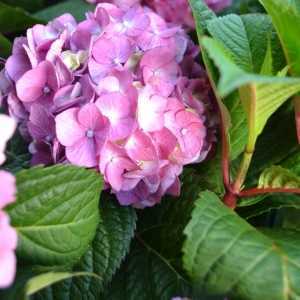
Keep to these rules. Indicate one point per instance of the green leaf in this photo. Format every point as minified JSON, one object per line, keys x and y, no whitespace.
{"x":292,"y":162}
{"x":17,"y":154}
{"x":262,"y":100}
{"x":238,"y":130}
{"x":286,"y":175}
{"x":42,"y":281}
{"x":202,"y":15}
{"x":261,"y":95}
{"x":239,"y":48}
{"x":162,"y":226}
{"x":5,"y":46}
{"x":77,"y":8}
{"x":56,"y":213}
{"x":109,"y":247}
{"x":225,"y":254}
{"x":267,"y":66}
{"x":243,"y":7}
{"x":290,"y":218}
{"x":245,"y":37}
{"x":278,"y":177}
{"x":277,"y":142}
{"x":14,"y":19}
{"x":31,"y":6}
{"x":286,"y":19}
{"x":269,"y":203}
{"x":146,"y":275}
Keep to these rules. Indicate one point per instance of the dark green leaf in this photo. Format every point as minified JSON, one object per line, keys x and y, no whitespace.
{"x":146,"y":275}
{"x":269,"y":203}
{"x":292,"y":162}
{"x":17,"y":154}
{"x":14,"y":19}
{"x":286,"y":19}
{"x":162,"y":226}
{"x":77,"y":8}
{"x":277,"y":142}
{"x":238,"y":130}
{"x":56,"y":213}
{"x":243,"y":7}
{"x":105,"y":255}
{"x":5,"y":46}
{"x":224,"y":254}
{"x":278,"y":177}
{"x":42,"y":281}
{"x":202,"y":15}
{"x":261,"y":95}
{"x":31,"y":6}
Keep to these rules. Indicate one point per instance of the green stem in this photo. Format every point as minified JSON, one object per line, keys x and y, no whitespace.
{"x":242,"y":172}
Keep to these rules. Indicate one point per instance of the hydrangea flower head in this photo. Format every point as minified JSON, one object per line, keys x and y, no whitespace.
{"x":116,"y":92}
{"x":174,"y":11}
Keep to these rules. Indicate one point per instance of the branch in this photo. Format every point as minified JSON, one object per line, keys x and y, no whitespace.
{"x":260,"y":191}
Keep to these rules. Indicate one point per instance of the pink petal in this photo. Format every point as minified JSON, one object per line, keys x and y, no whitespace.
{"x":8,"y":236}
{"x":41,"y":123}
{"x":16,"y":65}
{"x":114,"y":106}
{"x":112,"y":51}
{"x":113,"y":164}
{"x":127,"y":198}
{"x":68,"y":130}
{"x":151,"y":110}
{"x":97,"y":71}
{"x":8,"y":126}
{"x":8,"y":264}
{"x":157,"y":58}
{"x":7,"y":189}
{"x":141,"y":150}
{"x":90,"y":117}
{"x":114,"y":174}
{"x":122,"y":129}
{"x":31,"y":85}
{"x":165,"y":142}
{"x":83,"y":153}
{"x":8,"y":243}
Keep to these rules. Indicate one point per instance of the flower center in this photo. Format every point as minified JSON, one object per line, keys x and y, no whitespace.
{"x":48,"y":138}
{"x":184,"y":131}
{"x":90,"y":133}
{"x":46,"y":90}
{"x":128,"y":24}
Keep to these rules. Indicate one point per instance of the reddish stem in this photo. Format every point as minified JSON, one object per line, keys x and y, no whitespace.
{"x":230,"y":200}
{"x":261,"y":191}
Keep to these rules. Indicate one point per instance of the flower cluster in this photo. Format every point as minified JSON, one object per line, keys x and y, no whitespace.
{"x":117,"y":92}
{"x":8,"y":236}
{"x":174,"y":11}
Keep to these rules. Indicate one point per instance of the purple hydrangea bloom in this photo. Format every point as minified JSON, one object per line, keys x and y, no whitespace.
{"x":120,"y":92}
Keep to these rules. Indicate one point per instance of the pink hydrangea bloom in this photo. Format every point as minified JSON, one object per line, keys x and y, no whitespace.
{"x":8,"y":126}
{"x":8,"y":244}
{"x":120,"y":92}
{"x":8,"y":236}
{"x":174,"y":11}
